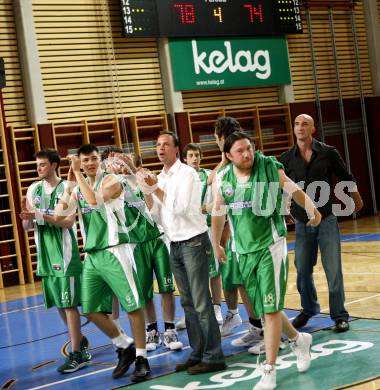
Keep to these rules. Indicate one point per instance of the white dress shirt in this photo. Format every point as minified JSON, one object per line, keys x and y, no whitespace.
{"x":180,"y":213}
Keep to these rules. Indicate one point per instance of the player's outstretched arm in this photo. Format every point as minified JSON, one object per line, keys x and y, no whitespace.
{"x":300,"y":197}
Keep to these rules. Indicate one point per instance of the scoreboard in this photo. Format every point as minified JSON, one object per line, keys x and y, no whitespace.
{"x":210,"y":18}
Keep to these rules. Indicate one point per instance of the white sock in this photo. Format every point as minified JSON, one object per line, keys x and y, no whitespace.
{"x":122,"y":341}
{"x":141,"y":352}
{"x":235,"y":311}
{"x":116,"y":321}
{"x":121,"y":330}
{"x":295,"y":339}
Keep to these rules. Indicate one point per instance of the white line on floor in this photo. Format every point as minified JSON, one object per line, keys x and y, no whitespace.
{"x":110,"y":368}
{"x":345,"y":273}
{"x":23,"y":309}
{"x":357,"y":300}
{"x":97,"y":372}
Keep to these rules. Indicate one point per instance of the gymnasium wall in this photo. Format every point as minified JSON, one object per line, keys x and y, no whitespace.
{"x":91,"y":74}
{"x":90,"y":71}
{"x":88,"y":68}
{"x":300,"y":55}
{"x":13,"y":94}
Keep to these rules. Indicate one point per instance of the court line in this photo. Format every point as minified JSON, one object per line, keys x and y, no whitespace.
{"x":18,"y":310}
{"x":72,"y":379}
{"x":99,"y":371}
{"x":292,"y":243}
{"x":359,"y":237}
{"x":345,"y":273}
{"x":344,"y":238}
{"x":168,"y":352}
{"x":361,"y":273}
{"x":110,"y":368}
{"x":356,"y":301}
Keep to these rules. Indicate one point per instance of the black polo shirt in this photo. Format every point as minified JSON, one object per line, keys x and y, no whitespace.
{"x":325,"y":163}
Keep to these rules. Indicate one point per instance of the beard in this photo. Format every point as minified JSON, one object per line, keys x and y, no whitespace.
{"x":246,"y":164}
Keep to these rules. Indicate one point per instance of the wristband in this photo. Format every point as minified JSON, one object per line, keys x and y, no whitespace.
{"x":147,"y":189}
{"x":39,"y":217}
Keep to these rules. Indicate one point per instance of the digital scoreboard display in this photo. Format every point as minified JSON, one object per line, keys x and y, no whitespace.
{"x":210,"y":18}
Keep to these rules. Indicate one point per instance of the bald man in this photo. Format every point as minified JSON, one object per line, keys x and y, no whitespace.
{"x":313,"y":164}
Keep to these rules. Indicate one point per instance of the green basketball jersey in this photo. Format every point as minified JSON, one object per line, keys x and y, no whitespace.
{"x":206,"y":190}
{"x":139,"y":223}
{"x":102,"y":226}
{"x":57,"y":248}
{"x":254,"y":207}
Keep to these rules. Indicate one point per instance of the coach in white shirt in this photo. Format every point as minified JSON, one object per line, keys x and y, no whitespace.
{"x":174,"y":199}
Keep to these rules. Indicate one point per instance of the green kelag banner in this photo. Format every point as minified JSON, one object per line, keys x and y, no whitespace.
{"x":228,"y":63}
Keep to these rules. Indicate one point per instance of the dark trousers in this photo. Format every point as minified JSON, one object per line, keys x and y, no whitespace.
{"x":327,"y":237}
{"x":189,"y":263}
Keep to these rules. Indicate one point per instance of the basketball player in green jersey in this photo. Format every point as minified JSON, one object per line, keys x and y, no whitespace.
{"x":192,"y":155}
{"x":150,"y":250}
{"x":231,"y":277}
{"x":109,"y":267}
{"x":58,"y":259}
{"x":249,"y":190}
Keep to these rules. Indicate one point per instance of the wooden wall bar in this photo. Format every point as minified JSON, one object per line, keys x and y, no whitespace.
{"x":270,"y":127}
{"x":90,"y":71}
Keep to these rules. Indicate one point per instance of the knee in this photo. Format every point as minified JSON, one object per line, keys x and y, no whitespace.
{"x":272,"y":317}
{"x":186,"y":302}
{"x":202,"y":306}
{"x":136,"y":313}
{"x":69,"y":310}
{"x":167,"y":296}
{"x":91,"y":316}
{"x":303,"y":269}
{"x":136,"y":317}
{"x":335,"y":285}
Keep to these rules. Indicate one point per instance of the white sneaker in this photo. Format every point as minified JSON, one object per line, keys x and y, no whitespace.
{"x":252,"y":336}
{"x":283,"y":344}
{"x":181,"y":324}
{"x":218,"y":314}
{"x":268,"y":377}
{"x":258,"y":348}
{"x":152,"y":339}
{"x":129,"y":339}
{"x":230,"y":322}
{"x":171,"y":341}
{"x":301,"y":348}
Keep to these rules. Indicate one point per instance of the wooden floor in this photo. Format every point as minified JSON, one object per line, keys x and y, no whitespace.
{"x":361,"y":267}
